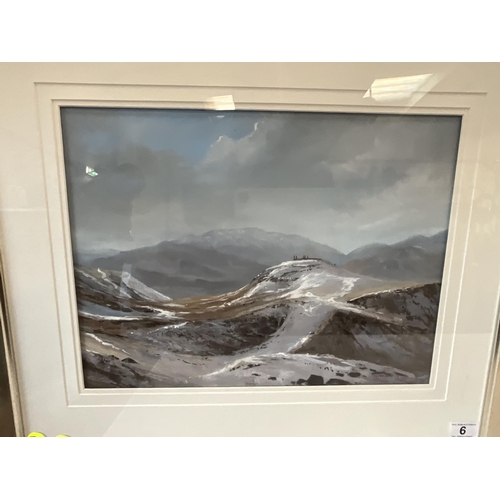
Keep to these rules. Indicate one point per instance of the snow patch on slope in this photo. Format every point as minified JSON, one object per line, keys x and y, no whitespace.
{"x":296,"y":369}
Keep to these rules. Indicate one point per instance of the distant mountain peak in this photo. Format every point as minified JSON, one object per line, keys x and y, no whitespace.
{"x":416,"y":258}
{"x":253,"y":232}
{"x":260,"y":245}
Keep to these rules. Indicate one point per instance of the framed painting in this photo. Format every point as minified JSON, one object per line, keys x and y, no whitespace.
{"x":256,"y":255}
{"x":253,"y":248}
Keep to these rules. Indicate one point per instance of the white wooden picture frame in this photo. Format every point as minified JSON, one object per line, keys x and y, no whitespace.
{"x":37,"y":251}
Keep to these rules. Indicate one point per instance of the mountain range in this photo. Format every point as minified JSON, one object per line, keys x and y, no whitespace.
{"x":220,"y":261}
{"x":301,"y":322}
{"x":416,"y":258}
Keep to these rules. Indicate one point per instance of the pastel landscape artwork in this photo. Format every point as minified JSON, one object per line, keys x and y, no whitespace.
{"x":255,"y":248}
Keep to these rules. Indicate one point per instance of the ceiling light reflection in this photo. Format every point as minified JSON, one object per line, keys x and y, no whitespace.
{"x":220,"y":103}
{"x":397,"y":89}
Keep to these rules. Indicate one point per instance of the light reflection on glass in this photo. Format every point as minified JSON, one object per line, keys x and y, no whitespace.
{"x":396,"y":89}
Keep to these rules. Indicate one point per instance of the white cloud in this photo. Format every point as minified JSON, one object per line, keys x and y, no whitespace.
{"x":227,"y":155}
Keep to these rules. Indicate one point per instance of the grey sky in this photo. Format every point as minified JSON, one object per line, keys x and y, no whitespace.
{"x":342,"y":180}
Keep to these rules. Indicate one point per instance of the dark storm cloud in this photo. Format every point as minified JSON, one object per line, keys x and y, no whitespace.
{"x":344,"y":180}
{"x":356,"y":155}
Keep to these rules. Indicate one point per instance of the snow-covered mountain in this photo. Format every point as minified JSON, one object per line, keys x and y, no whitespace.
{"x":265,"y":247}
{"x":219,"y":261}
{"x":393,"y":328}
{"x":289,"y":325}
{"x":117,"y":285}
{"x":214,"y":262}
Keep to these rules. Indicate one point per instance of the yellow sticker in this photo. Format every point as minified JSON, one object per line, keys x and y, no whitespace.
{"x":62,"y":436}
{"x":36,"y":435}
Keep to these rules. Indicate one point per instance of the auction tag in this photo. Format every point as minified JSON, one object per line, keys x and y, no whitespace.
{"x":463,"y":430}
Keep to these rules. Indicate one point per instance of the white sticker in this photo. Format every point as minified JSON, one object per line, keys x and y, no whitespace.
{"x":463,"y":430}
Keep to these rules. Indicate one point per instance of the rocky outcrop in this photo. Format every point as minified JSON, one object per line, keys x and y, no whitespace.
{"x":394,"y":328}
